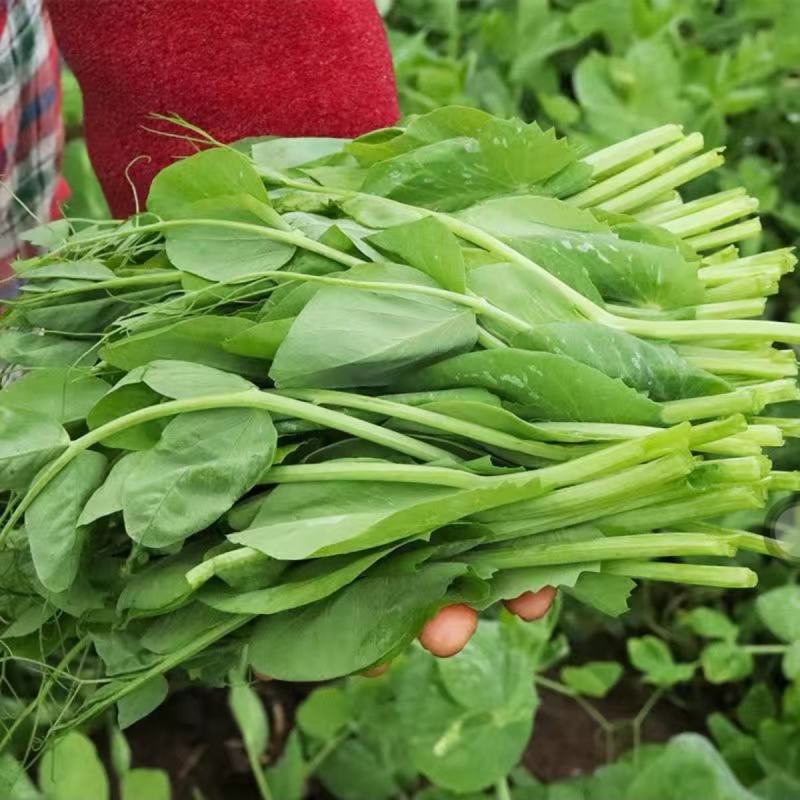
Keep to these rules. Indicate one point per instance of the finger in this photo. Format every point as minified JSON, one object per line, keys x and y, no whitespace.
{"x":532,"y":605}
{"x":449,"y":631}
{"x":377,"y":670}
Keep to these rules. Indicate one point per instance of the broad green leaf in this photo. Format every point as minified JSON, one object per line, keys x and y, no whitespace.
{"x":509,"y":583}
{"x":791,"y":662}
{"x":426,"y":245}
{"x":358,"y":626}
{"x":161,"y":584}
{"x":85,"y":269}
{"x":710,"y":623}
{"x":490,"y":674}
{"x":461,"y":748}
{"x":296,"y":521}
{"x":655,"y":370}
{"x":324,"y":713}
{"x":51,"y":521}
{"x":181,"y":379}
{"x":142,"y":701}
{"x":357,"y":771}
{"x":281,"y":154}
{"x":287,"y":777}
{"x":491,"y":158}
{"x":203,"y":463}
{"x":522,"y":293}
{"x":595,"y":679}
{"x":348,"y":337}
{"x":145,"y":784}
{"x":724,"y":662}
{"x":261,"y":340}
{"x":779,"y":610}
{"x":542,"y":386}
{"x":70,"y":769}
{"x":689,"y":766}
{"x":63,"y":394}
{"x":29,"y":441}
{"x":119,"y":752}
{"x":197,"y":339}
{"x":29,"y":349}
{"x":15,"y":784}
{"x":756,"y":707}
{"x":652,"y":657}
{"x":169,"y":633}
{"x":224,"y":252}
{"x":204,"y":175}
{"x":107,"y":498}
{"x":251,"y":719}
{"x":298,"y":586}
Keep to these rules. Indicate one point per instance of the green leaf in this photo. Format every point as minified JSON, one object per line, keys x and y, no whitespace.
{"x":161,"y":584}
{"x":168,"y":633}
{"x":197,"y":339}
{"x":29,"y":349}
{"x":757,"y":706}
{"x":348,"y":337}
{"x":145,"y":784}
{"x":652,"y":657}
{"x":107,"y":498}
{"x":725,"y":662}
{"x":281,"y":154}
{"x":29,"y":441}
{"x":481,"y":157}
{"x":225,"y":253}
{"x":251,"y":719}
{"x":71,"y":769}
{"x":710,"y":623}
{"x":119,"y":752}
{"x":655,"y":370}
{"x":791,"y":662}
{"x":63,"y":394}
{"x":689,"y":766}
{"x":324,"y":713}
{"x":142,"y":701}
{"x":607,"y":593}
{"x":203,"y":463}
{"x":543,"y":386}
{"x":261,"y":340}
{"x":357,"y":770}
{"x":85,"y":269}
{"x":356,"y":627}
{"x":180,"y":379}
{"x":51,"y":521}
{"x":287,"y":777}
{"x":595,"y":679}
{"x":465,"y":747}
{"x":779,"y":610}
{"x":14,"y":781}
{"x":426,"y":245}
{"x":298,"y":586}
{"x":204,"y":175}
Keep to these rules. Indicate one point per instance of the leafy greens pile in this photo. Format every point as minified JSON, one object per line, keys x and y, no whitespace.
{"x":320,"y":388}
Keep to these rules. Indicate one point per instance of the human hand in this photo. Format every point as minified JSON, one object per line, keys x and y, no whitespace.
{"x":448,"y":632}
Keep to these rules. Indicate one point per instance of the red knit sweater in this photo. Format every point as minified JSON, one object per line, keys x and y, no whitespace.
{"x":234,"y":67}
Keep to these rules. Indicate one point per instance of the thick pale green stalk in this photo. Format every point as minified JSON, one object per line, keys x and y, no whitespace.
{"x":688,"y":574}
{"x":658,"y":216}
{"x":728,"y":235}
{"x":622,"y":153}
{"x":638,"y":173}
{"x":710,"y":218}
{"x":654,"y":545}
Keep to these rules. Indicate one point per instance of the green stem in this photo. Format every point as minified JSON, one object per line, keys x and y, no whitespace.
{"x":765,"y":649}
{"x":660,"y":216}
{"x":712,"y":217}
{"x":638,"y":173}
{"x":501,"y":791}
{"x":107,"y":285}
{"x":634,"y":547}
{"x":370,"y":471}
{"x":616,"y":155}
{"x":689,"y":574}
{"x":432,"y":419}
{"x":247,"y":399}
{"x":728,"y":235}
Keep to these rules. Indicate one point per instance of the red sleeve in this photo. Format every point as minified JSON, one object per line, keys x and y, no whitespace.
{"x":234,"y":67}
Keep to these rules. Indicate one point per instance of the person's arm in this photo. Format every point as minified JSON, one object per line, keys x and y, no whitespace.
{"x":236,"y":68}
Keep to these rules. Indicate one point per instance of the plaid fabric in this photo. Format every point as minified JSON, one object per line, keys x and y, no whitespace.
{"x":31,"y":134}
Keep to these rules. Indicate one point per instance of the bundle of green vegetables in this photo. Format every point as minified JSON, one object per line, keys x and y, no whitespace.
{"x":321,"y":388}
